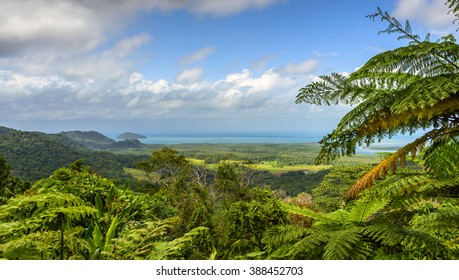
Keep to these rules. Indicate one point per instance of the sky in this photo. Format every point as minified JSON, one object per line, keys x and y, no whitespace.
{"x":187,"y":65}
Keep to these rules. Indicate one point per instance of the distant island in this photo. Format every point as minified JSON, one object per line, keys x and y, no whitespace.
{"x":130,"y":135}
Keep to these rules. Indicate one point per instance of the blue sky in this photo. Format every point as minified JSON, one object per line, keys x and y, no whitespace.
{"x":155,"y":65}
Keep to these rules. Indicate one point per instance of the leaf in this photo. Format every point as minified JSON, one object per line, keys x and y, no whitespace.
{"x":111,"y":231}
{"x":230,"y":250}
{"x":97,"y":236}
{"x":99,"y":206}
{"x":408,"y":27}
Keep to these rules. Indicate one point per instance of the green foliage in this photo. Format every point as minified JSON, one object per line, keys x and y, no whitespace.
{"x":248,"y":220}
{"x":195,"y":244}
{"x":329,"y":194}
{"x":230,"y":181}
{"x":24,"y":217}
{"x":164,"y":164}
{"x":410,"y":214}
{"x":73,"y":214}
{"x":89,"y":139}
{"x":139,"y":240}
{"x":372,"y":227}
{"x":9,"y":185}
{"x":295,"y":182}
{"x":398,"y":91}
{"x":35,"y":155}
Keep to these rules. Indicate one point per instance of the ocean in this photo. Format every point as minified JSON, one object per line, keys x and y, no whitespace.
{"x":259,"y":137}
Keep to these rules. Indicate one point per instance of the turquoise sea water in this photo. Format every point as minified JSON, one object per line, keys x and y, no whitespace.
{"x":259,"y":137}
{"x":232,"y":137}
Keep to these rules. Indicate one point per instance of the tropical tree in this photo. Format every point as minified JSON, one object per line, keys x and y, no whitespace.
{"x":406,"y":90}
{"x":9,"y":184}
{"x":247,"y":220}
{"x":328,"y":195}
{"x":73,"y":214}
{"x":371,"y":227}
{"x":164,"y":166}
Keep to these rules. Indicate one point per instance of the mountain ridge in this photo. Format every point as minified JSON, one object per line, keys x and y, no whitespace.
{"x":35,"y":155}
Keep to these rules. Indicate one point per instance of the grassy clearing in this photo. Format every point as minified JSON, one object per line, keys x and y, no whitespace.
{"x":136,"y":173}
{"x":272,"y":166}
{"x":278,"y":169}
{"x":275,"y":158}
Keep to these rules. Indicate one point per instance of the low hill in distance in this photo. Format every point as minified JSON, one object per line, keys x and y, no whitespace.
{"x":35,"y":155}
{"x":89,"y":139}
{"x":130,"y":136}
{"x":97,"y":141}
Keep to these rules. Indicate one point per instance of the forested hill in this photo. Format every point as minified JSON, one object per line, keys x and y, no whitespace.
{"x":35,"y":155}
{"x":90,"y":139}
{"x":130,"y":135}
{"x":98,"y":141}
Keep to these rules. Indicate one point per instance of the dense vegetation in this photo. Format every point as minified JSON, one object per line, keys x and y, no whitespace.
{"x":404,"y":207}
{"x":35,"y":155}
{"x":130,"y":135}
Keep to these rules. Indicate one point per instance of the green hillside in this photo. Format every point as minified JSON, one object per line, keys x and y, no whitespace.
{"x":90,"y":139}
{"x":130,"y":135}
{"x":35,"y":155}
{"x":97,"y":141}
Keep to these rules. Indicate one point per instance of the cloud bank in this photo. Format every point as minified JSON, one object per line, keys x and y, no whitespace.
{"x":69,"y":61}
{"x":431,"y":13}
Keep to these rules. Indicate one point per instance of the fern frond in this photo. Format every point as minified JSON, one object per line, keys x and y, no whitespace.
{"x":389,"y":163}
{"x":347,"y":245}
{"x":278,"y":235}
{"x":43,"y":245}
{"x":412,"y":244}
{"x":386,"y":234}
{"x":175,"y":249}
{"x":318,"y":217}
{"x":329,"y":90}
{"x":425,"y":59}
{"x":441,"y":157}
{"x":442,"y":219}
{"x":138,"y":243}
{"x":367,"y":206}
{"x":309,"y":247}
{"x":427,"y":92}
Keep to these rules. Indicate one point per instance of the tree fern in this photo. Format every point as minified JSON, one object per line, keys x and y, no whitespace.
{"x":398,"y":91}
{"x":179,"y":247}
{"x":335,"y":235}
{"x":309,"y":247}
{"x":284,"y":234}
{"x":140,"y":240}
{"x":366,"y":207}
{"x":441,"y":158}
{"x":346,"y":245}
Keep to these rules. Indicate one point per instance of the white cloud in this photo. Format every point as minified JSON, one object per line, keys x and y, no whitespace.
{"x":432,"y":13}
{"x":236,"y":92}
{"x":73,"y":25}
{"x":15,"y":86}
{"x":126,"y":46}
{"x":83,"y":25}
{"x":138,"y":83}
{"x":111,"y":65}
{"x":190,"y":76}
{"x":197,"y":55}
{"x":261,"y":101}
{"x":305,"y":67}
{"x":64,"y":67}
